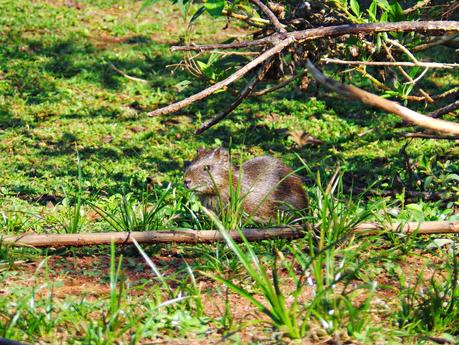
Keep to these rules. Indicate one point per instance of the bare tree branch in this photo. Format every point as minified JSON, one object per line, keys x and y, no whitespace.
{"x":244,"y":93}
{"x":396,"y":63}
{"x":272,"y":17}
{"x":235,"y":76}
{"x":444,"y":110}
{"x":282,"y":40}
{"x":331,"y":31}
{"x":379,"y":102}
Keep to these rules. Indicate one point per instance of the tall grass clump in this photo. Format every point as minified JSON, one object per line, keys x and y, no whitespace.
{"x":432,"y":305}
{"x":315,"y":297}
{"x":73,"y":221}
{"x":126,"y":213}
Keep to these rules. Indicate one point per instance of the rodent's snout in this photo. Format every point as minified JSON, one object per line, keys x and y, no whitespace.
{"x":187,"y":183}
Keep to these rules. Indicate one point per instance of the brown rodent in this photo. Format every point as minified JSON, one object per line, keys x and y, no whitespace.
{"x":266,"y":184}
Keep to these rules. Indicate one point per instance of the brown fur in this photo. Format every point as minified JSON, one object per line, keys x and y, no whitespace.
{"x":267,"y":185}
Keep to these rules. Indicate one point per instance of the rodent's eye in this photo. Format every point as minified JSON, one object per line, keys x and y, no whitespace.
{"x":206,"y":167}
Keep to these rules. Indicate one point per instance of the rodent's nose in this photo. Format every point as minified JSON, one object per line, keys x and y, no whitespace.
{"x":187,"y":183}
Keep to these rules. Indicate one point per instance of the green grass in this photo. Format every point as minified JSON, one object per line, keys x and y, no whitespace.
{"x":79,"y":154}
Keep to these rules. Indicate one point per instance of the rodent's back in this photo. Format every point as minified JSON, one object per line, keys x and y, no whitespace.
{"x":271,"y":185}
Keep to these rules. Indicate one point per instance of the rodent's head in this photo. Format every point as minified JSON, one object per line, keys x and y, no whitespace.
{"x":208,"y":172}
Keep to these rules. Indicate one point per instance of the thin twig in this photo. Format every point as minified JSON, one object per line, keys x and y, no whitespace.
{"x":278,"y":86}
{"x":430,"y":136}
{"x":379,"y":102}
{"x":245,"y":18}
{"x":454,"y":92}
{"x":272,"y":17}
{"x":435,"y":42}
{"x":416,"y":7}
{"x":444,"y":110}
{"x":396,"y":63}
{"x":407,"y":76}
{"x":117,"y":70}
{"x":235,"y":76}
{"x":244,"y":93}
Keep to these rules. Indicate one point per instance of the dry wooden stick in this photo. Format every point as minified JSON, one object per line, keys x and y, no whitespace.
{"x":243,"y":95}
{"x":389,"y":63}
{"x":272,"y":17}
{"x":379,"y":102}
{"x":210,"y":236}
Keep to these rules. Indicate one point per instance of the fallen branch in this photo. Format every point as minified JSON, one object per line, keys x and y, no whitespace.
{"x":210,"y":236}
{"x":235,"y":76}
{"x":444,"y":110}
{"x":379,"y":102}
{"x":281,"y":40}
{"x":243,"y":95}
{"x":388,"y":63}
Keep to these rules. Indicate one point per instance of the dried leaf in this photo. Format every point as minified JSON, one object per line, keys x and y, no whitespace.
{"x":302,"y":138}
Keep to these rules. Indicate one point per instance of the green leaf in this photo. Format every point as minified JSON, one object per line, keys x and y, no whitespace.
{"x":215,"y":7}
{"x":197,"y":14}
{"x":372,"y":11}
{"x":383,"y":4}
{"x":355,"y":7}
{"x":396,"y":11}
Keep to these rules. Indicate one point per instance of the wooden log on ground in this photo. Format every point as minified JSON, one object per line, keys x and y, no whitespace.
{"x":209,"y":236}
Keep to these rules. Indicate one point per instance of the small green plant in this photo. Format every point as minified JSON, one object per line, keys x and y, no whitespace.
{"x":432,"y":305}
{"x":73,"y":221}
{"x":129,"y":214}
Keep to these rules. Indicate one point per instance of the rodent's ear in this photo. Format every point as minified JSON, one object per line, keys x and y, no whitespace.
{"x":222,"y":154}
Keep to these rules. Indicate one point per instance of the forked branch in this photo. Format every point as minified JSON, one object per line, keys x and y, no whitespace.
{"x":232,"y":78}
{"x":243,"y":95}
{"x":379,"y":102}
